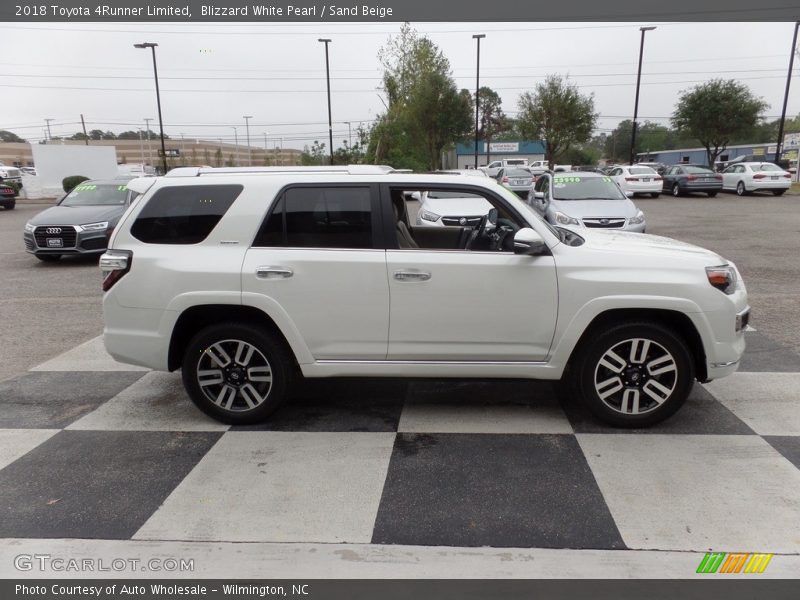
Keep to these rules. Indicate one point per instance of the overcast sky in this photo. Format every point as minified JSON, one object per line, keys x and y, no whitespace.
{"x":213,"y":75}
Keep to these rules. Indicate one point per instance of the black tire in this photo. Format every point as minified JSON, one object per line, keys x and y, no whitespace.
{"x":654,"y":194}
{"x":778,"y":192}
{"x":740,"y":189}
{"x":273,"y":351}
{"x":678,"y":380}
{"x":711,"y":194}
{"x":10,"y":205}
{"x":676,"y":190}
{"x":48,"y":257}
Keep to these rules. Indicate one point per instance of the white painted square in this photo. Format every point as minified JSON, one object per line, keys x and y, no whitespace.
{"x":15,"y":443}
{"x":768,"y":402}
{"x":157,"y":402}
{"x":696,"y":492}
{"x":279,"y":487}
{"x":89,"y":356}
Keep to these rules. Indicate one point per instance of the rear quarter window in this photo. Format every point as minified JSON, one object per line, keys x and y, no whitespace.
{"x":183,"y":214}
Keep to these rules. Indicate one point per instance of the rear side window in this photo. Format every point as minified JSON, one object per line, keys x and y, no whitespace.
{"x":319,"y":217}
{"x":183,"y":214}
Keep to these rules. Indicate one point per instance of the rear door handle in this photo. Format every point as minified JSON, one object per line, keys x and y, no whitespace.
{"x":273,"y":272}
{"x":411,"y":276}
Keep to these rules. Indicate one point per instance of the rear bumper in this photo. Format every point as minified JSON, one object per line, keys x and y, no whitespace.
{"x":702,"y":186}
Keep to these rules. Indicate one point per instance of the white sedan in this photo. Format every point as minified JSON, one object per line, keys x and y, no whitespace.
{"x":747,"y":177}
{"x":638,"y":179}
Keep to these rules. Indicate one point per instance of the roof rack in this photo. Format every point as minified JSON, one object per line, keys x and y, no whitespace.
{"x":349,"y":169}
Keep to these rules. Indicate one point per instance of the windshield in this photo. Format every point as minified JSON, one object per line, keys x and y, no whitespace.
{"x":585,"y":188}
{"x":518,"y":173}
{"x":92,"y":194}
{"x":766,"y":167}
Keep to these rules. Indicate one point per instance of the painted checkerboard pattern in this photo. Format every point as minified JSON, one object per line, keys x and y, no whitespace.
{"x":94,"y":449}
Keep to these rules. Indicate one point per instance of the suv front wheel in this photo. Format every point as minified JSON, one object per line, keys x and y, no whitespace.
{"x":634,"y":375}
{"x":237,"y":374}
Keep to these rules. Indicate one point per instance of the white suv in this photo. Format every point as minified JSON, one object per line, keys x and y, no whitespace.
{"x":244,"y":278}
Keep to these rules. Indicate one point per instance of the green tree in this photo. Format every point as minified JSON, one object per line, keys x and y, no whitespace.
{"x":425,"y":112}
{"x":218,"y":157}
{"x":717,"y":112}
{"x":558,"y":114}
{"x":10,"y":137}
{"x":492,"y":121}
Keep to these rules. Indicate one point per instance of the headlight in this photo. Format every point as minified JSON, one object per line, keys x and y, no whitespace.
{"x":565,"y":219}
{"x":428,"y":216}
{"x":638,"y":219}
{"x":30,"y":228}
{"x":95,"y":226}
{"x":723,"y":278}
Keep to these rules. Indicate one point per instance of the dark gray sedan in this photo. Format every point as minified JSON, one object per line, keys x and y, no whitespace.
{"x":82,"y":221}
{"x":683,"y":179}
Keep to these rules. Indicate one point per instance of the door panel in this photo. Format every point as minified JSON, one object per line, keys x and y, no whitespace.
{"x":337,"y":299}
{"x":475,"y":306}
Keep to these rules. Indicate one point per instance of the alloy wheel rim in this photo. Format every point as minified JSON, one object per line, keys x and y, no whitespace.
{"x":740,"y":189}
{"x":234,"y":375}
{"x":635,"y":376}
{"x":676,"y":190}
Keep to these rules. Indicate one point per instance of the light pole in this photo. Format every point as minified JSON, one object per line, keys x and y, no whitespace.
{"x":49,"y":136}
{"x":328,"y":79}
{"x":779,"y":145}
{"x":636,"y":102}
{"x":249,"y":151}
{"x":236,"y":138}
{"x":479,"y":37}
{"x":149,"y":145}
{"x":152,"y":47}
{"x":141,"y":149}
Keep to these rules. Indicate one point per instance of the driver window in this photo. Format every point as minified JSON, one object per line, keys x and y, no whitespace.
{"x":451,"y":219}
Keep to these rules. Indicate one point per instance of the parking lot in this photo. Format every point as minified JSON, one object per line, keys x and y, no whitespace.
{"x":401,"y":478}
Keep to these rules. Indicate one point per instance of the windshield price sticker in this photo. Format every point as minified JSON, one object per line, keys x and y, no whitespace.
{"x":85,"y":188}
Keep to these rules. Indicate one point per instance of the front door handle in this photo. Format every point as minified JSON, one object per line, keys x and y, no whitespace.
{"x":411,"y":276}
{"x":273,"y":272}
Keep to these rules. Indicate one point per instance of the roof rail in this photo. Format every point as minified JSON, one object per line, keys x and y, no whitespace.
{"x":350,"y":169}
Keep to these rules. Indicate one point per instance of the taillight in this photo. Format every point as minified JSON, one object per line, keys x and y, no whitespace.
{"x":505,"y":179}
{"x":658,"y":179}
{"x":718,"y":177}
{"x":788,"y":175}
{"x":691,"y":177}
{"x":114,"y":264}
{"x":759,"y":176}
{"x":631,"y":179}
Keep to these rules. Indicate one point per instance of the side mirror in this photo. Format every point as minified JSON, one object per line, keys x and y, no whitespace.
{"x":629,"y":194}
{"x":416,"y":196}
{"x":527,"y":241}
{"x":492,"y":217}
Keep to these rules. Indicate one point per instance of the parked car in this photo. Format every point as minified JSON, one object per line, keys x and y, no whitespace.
{"x":783,"y":163}
{"x":745,"y":178}
{"x":10,"y":174}
{"x":81,"y":222}
{"x":518,"y":179}
{"x":465,"y":172}
{"x":8,"y":196}
{"x":658,"y":167}
{"x":439,"y":208}
{"x":493,"y":167}
{"x":683,"y":179}
{"x":28,"y":171}
{"x":240,"y":279}
{"x":585,"y":200}
{"x":588,"y":169}
{"x":638,"y":179}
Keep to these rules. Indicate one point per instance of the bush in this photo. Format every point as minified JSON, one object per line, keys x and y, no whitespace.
{"x":69,"y":183}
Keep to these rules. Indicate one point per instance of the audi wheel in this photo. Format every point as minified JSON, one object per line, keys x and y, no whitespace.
{"x":676,"y":190}
{"x":634,"y":375}
{"x":237,"y":374}
{"x":740,"y":189}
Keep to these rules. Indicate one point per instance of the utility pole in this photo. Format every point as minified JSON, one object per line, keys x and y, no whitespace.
{"x":779,"y":146}
{"x":149,"y":146}
{"x":236,"y":137}
{"x":479,"y":37}
{"x":49,"y":136}
{"x":328,"y":79}
{"x":249,"y":151}
{"x":141,"y":149}
{"x":636,"y":102}
{"x":83,"y":124}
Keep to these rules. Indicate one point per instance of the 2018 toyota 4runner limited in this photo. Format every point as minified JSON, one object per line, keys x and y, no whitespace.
{"x":248,"y":278}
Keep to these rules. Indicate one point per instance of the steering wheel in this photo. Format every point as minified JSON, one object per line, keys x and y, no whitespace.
{"x":478,"y":232}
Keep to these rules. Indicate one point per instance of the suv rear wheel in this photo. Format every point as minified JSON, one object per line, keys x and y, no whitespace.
{"x":237,"y":374}
{"x":634,"y":375}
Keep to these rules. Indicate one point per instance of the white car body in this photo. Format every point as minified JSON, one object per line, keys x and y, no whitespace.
{"x":637,"y":179}
{"x":441,"y":212}
{"x":754,"y":176}
{"x":542,"y":166}
{"x":493,"y":167}
{"x":385,"y":311}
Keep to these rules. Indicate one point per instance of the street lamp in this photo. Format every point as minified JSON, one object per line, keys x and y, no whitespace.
{"x":328,"y":79}
{"x":779,"y":146}
{"x":638,"y":80}
{"x":149,"y":145}
{"x":236,"y":139}
{"x":152,"y":47}
{"x":249,"y":151}
{"x":479,"y":37}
